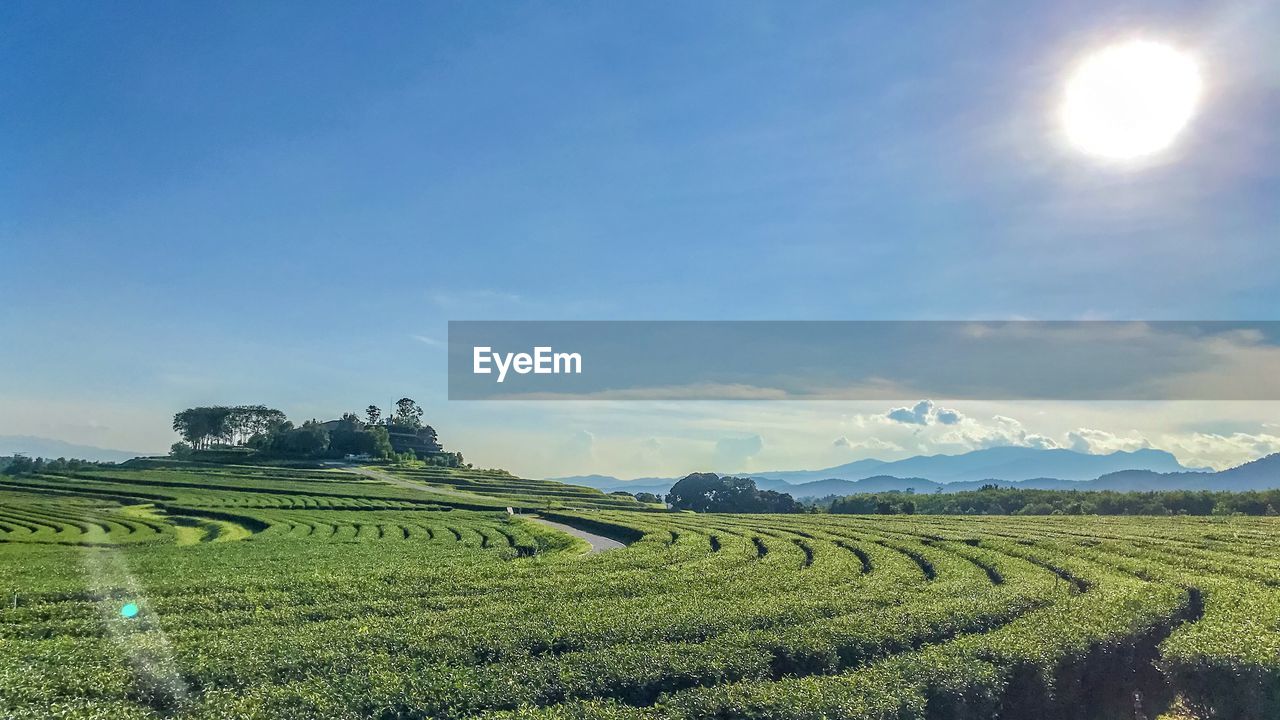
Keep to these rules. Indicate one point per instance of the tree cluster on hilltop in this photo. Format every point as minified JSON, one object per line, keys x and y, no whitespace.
{"x":270,"y":433}
{"x":203,"y":427}
{"x":708,"y":492}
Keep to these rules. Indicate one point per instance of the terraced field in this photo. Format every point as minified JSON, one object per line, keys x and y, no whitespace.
{"x":527,"y":493}
{"x":321,"y":594}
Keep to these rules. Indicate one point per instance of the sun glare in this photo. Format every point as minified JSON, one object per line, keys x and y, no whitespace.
{"x":1130,"y":100}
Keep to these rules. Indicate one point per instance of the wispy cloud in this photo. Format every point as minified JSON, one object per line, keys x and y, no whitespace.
{"x":474,"y":297}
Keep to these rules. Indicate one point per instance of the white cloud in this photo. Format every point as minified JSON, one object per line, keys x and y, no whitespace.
{"x":1039,"y":441}
{"x":1220,"y":451}
{"x":948,"y":417}
{"x":924,"y":412}
{"x":915,"y":415}
{"x":972,"y":434}
{"x":928,"y":433}
{"x":870,"y":443}
{"x":1101,"y":442}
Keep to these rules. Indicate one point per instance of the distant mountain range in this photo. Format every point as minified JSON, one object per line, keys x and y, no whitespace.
{"x":997,"y":463}
{"x":32,"y":446}
{"x":1055,"y":469}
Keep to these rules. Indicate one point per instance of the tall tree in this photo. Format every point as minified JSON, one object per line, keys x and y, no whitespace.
{"x":373,"y":413}
{"x":238,"y":421}
{"x":199,"y":426}
{"x":266,"y":419}
{"x":381,"y":442}
{"x":310,"y":439}
{"x":184,"y":423}
{"x":408,"y":414}
{"x":218,"y":419}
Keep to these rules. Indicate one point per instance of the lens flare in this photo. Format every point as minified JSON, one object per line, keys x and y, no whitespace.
{"x":129,"y":610}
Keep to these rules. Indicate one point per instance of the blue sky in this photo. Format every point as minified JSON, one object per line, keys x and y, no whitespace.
{"x":237,"y":202}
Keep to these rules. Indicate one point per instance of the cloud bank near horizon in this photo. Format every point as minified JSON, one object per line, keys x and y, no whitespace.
{"x":647,"y":439}
{"x":664,"y":439}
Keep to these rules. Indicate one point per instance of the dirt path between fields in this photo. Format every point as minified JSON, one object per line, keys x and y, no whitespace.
{"x":598,"y":543}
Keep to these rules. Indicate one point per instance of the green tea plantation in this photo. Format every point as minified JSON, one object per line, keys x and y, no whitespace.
{"x":178,"y":590}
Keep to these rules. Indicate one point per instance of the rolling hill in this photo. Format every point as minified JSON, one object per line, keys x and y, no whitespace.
{"x":32,"y":446}
{"x":997,"y":463}
{"x":1141,"y":470}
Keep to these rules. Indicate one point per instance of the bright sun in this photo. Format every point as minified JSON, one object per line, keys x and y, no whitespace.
{"x":1130,"y":100}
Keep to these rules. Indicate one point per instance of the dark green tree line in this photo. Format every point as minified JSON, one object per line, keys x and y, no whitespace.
{"x":23,"y":465}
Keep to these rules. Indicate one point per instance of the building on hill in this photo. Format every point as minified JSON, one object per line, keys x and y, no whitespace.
{"x":331,"y":425}
{"x":420,"y":441}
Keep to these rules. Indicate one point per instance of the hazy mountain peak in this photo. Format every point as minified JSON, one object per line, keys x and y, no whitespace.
{"x":33,"y":446}
{"x":1007,"y":464}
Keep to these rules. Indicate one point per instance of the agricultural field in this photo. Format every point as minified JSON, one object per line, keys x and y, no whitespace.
{"x":239,"y":592}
